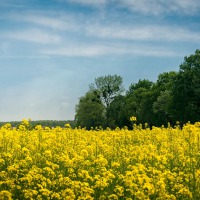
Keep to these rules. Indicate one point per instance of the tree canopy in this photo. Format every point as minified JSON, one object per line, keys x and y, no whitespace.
{"x":90,"y":111}
{"x":108,"y":87}
{"x":186,"y":90}
{"x":175,"y":96}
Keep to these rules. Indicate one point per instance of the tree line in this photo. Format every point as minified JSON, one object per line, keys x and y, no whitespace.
{"x":48,"y":123}
{"x":173,"y":98}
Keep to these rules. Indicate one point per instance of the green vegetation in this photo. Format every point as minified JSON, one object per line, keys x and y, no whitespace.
{"x":175,"y":96}
{"x":48,"y":123}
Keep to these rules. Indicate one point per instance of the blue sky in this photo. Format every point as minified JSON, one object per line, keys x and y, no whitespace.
{"x":51,"y":50}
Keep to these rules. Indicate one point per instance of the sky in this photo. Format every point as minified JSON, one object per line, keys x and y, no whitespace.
{"x":51,"y":50}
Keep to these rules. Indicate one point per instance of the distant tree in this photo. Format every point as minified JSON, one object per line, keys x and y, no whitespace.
{"x":48,"y":123}
{"x":107,"y":87}
{"x":90,"y":111}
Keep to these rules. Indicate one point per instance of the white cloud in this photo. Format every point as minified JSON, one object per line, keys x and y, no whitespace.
{"x":58,"y":22}
{"x":106,"y":50}
{"x":76,"y":50}
{"x":156,"y":7}
{"x":89,"y":2}
{"x":7,"y":4}
{"x":90,"y":28}
{"x":152,"y":7}
{"x":185,"y":6}
{"x":34,"y":35}
{"x":152,"y":33}
{"x":46,"y":21}
{"x":143,"y":6}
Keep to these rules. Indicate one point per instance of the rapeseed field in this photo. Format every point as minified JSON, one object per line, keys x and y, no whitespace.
{"x":65,"y":163}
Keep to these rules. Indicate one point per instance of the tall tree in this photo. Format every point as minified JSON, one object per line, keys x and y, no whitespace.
{"x":107,"y":87}
{"x":117,"y":113}
{"x":138,"y":101}
{"x":162,"y":107}
{"x":90,"y":111}
{"x":163,"y":97}
{"x":186,"y":91}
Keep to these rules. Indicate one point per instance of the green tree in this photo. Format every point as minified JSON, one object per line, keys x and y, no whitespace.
{"x":162,"y":106}
{"x":117,"y":112}
{"x":139,"y":101}
{"x":186,"y":91}
{"x":163,"y":96}
{"x":145,"y":83}
{"x":90,"y":111}
{"x":107,"y":87}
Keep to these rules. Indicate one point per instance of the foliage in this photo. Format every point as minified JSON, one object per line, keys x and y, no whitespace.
{"x":65,"y":163}
{"x":117,"y":112}
{"x":90,"y":111}
{"x":186,"y":91}
{"x":93,"y":108}
{"x":163,"y":97}
{"x":138,"y":101}
{"x":49,"y":123}
{"x":108,"y":87}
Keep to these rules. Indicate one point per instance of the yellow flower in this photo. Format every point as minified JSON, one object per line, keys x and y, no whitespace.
{"x":45,"y":193}
{"x":67,"y":125}
{"x":48,"y":153}
{"x":68,"y":194}
{"x":148,"y":188}
{"x":60,"y":163}
{"x":25,"y":122}
{"x":101,"y":183}
{"x":46,"y":128}
{"x":22,"y":127}
{"x":115,"y":165}
{"x":7,"y":126}
{"x":38,"y":127}
{"x":113,"y":197}
{"x":119,"y":190}
{"x":184,"y":193}
{"x":84,"y":153}
{"x":132,"y":119}
{"x":5,"y":195}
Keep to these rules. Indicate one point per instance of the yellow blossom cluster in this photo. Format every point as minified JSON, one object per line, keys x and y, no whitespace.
{"x":65,"y":163}
{"x":132,"y":119}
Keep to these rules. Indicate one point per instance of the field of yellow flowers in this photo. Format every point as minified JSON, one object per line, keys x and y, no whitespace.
{"x":64,"y":163}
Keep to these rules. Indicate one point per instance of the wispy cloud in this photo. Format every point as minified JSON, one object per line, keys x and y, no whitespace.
{"x":97,"y":50}
{"x":149,"y":7}
{"x":114,"y":38}
{"x":151,"y":33}
{"x":72,"y":51}
{"x":7,"y":4}
{"x":34,"y":35}
{"x":58,"y":22}
{"x":89,"y":2}
{"x":156,"y":7}
{"x":113,"y":30}
{"x":10,"y":56}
